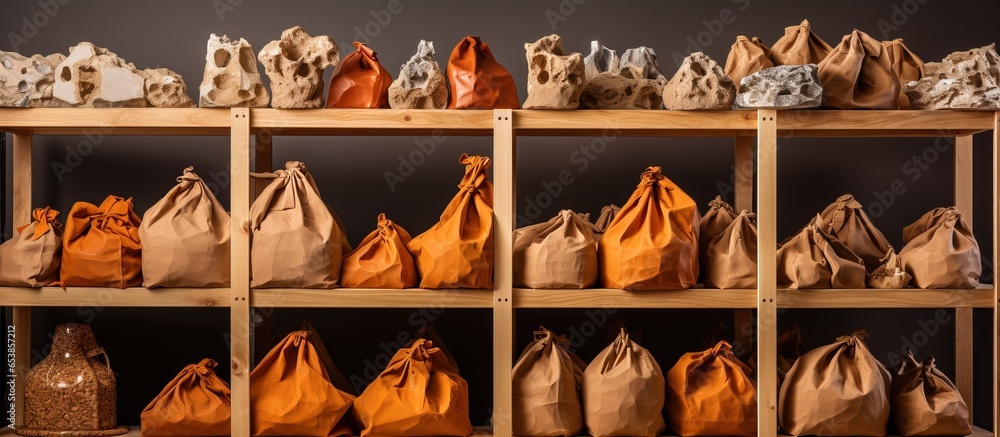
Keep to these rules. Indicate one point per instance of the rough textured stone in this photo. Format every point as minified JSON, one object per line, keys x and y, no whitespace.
{"x":614,"y":84}
{"x":94,"y":76}
{"x":640,"y":63}
{"x":231,"y":77}
{"x":782,"y":87}
{"x":700,"y":84}
{"x":420,"y":84}
{"x":28,"y":82}
{"x":165,"y":89}
{"x":295,"y":64}
{"x":963,"y":80}
{"x":555,"y":80}
{"x":600,"y":60}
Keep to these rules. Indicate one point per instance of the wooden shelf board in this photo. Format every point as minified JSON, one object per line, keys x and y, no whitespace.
{"x":134,"y":431}
{"x":615,"y":298}
{"x":369,"y":298}
{"x":114,"y":297}
{"x":901,"y":123}
{"x":976,"y":432}
{"x":116,"y":121}
{"x":981,"y":297}
{"x":380,"y":122}
{"x":586,"y":122}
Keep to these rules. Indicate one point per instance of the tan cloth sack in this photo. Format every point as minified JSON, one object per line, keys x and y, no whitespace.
{"x":608,"y":214}
{"x":926,"y":403}
{"x":653,"y":242}
{"x":939,"y":251}
{"x":907,"y":66}
{"x":846,"y":222}
{"x":623,"y":391}
{"x":560,"y":253}
{"x":799,"y":46}
{"x":890,"y":274}
{"x":297,"y":240}
{"x":711,"y":393}
{"x":457,"y":252}
{"x":732,"y":255}
{"x":814,"y":259}
{"x":746,"y":57}
{"x":790,"y":348}
{"x":381,"y":260}
{"x":185,"y":238}
{"x":858,"y":74}
{"x":31,"y":259}
{"x":715,"y":221}
{"x":836,"y":390}
{"x":547,"y":382}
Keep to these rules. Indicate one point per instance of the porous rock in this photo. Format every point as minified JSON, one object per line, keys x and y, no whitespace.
{"x":600,"y":60}
{"x":420,"y":84}
{"x":615,"y":84}
{"x":165,"y":89}
{"x":555,"y":80}
{"x":295,"y":64}
{"x":231,"y":78}
{"x":963,"y":80}
{"x":782,"y":87}
{"x":640,"y":63}
{"x":699,"y":84}
{"x":96,"y":77}
{"x":28,"y":82}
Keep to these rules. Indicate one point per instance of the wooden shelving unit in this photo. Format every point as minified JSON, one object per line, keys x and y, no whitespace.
{"x":755,"y":135}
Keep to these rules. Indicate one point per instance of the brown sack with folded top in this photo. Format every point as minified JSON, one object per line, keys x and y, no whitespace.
{"x":653,"y":242}
{"x":858,"y":74}
{"x":381,"y":260}
{"x":623,"y":391}
{"x":799,"y":46}
{"x":608,"y":214}
{"x":477,"y":80}
{"x":547,"y":388}
{"x":746,"y":57}
{"x":814,"y":259}
{"x":790,"y":348}
{"x":906,"y":65}
{"x":711,"y":393}
{"x":715,"y":221}
{"x":560,"y":253}
{"x":31,"y":259}
{"x":940,"y":251}
{"x":195,"y":403}
{"x":926,"y":403}
{"x":457,"y":252}
{"x":101,"y":245}
{"x":846,"y":222}
{"x":185,"y":238}
{"x":359,"y":81}
{"x":732,"y":255}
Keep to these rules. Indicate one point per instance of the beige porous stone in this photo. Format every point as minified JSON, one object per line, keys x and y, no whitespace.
{"x":420,"y":84}
{"x":555,"y":80}
{"x":640,"y":63}
{"x":96,"y":77}
{"x":231,"y":78}
{"x":600,"y":60}
{"x":963,"y":80}
{"x":633,"y":82}
{"x":28,"y":82}
{"x":295,"y":64}
{"x":782,"y":87}
{"x":699,"y":84}
{"x":166,"y":89}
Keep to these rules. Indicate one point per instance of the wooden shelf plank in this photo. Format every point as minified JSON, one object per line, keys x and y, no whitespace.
{"x":635,"y":123}
{"x":114,"y":297}
{"x":381,"y":122}
{"x":833,"y":123}
{"x":134,"y":431}
{"x":116,"y":121}
{"x":981,"y":297}
{"x":616,"y":298}
{"x":369,"y":298}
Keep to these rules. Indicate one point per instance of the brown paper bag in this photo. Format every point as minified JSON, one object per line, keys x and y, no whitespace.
{"x":547,"y":388}
{"x":940,"y":251}
{"x":732,"y":255}
{"x":653,"y":242}
{"x":790,"y":348}
{"x":560,"y":253}
{"x":715,"y":221}
{"x":608,"y":214}
{"x":814,"y":259}
{"x":858,"y":74}
{"x":845,"y":221}
{"x":457,"y":252}
{"x":195,"y":403}
{"x":381,"y":260}
{"x":31,"y":259}
{"x":836,"y":390}
{"x":746,"y":57}
{"x":926,"y":403}
{"x":711,"y":393}
{"x":623,"y":391}
{"x":799,"y":46}
{"x":101,"y":245}
{"x":297,"y":240}
{"x":906,"y":65}
{"x":890,"y":273}
{"x":185,"y":238}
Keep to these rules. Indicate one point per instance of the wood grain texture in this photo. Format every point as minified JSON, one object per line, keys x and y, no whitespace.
{"x":996,"y":260}
{"x":239,"y":153}
{"x":617,"y":298}
{"x":504,"y":208}
{"x":981,"y":297}
{"x":21,"y":188}
{"x":21,"y":180}
{"x":22,"y":358}
{"x":963,"y":316}
{"x":370,"y":298}
{"x":822,"y":123}
{"x":117,"y":121}
{"x":114,"y":297}
{"x":634,"y":123}
{"x":767,"y":315}
{"x":381,"y":122}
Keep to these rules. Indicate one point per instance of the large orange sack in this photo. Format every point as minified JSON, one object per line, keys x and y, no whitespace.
{"x":381,"y":260}
{"x":101,"y":245}
{"x":359,"y":81}
{"x":31,"y":258}
{"x":477,"y":80}
{"x":711,"y":393}
{"x":195,"y":403}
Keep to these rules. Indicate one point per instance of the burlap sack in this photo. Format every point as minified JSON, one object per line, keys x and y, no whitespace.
{"x":31,"y":258}
{"x":906,"y":65}
{"x":799,"y":46}
{"x":560,"y":253}
{"x":381,"y":260}
{"x":359,"y":81}
{"x":858,"y":74}
{"x":101,"y":245}
{"x":477,"y":80}
{"x":623,"y":391}
{"x":195,"y":403}
{"x":940,"y":251}
{"x":731,"y":261}
{"x":711,"y":393}
{"x":926,"y":403}
{"x":746,"y":57}
{"x":845,"y":221}
{"x":547,"y":382}
{"x":814,"y":259}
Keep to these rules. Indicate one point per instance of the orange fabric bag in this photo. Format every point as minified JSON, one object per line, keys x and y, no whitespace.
{"x":195,"y":403}
{"x":381,"y":260}
{"x":746,"y":57}
{"x":926,"y":403}
{"x":940,"y":251}
{"x":711,"y":393}
{"x":653,"y":242}
{"x":799,"y":46}
{"x":845,"y":221}
{"x":858,"y":74}
{"x":477,"y":80}
{"x":101,"y":245}
{"x":457,"y":252}
{"x":547,"y":380}
{"x":31,"y":258}
{"x":906,"y":64}
{"x":418,"y":394}
{"x":359,"y":81}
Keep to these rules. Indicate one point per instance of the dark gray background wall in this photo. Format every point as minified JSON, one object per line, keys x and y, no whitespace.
{"x":148,"y":346}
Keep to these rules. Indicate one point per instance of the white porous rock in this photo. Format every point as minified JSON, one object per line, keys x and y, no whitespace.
{"x":963,"y":80}
{"x":420,"y":84}
{"x":633,"y":82}
{"x":295,"y":64}
{"x":231,"y":78}
{"x":782,"y":87}
{"x":699,"y":84}
{"x":28,"y":82}
{"x":555,"y":80}
{"x":96,"y":77}
{"x":166,"y":89}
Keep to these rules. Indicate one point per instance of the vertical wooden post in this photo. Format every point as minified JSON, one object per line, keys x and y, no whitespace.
{"x":743,"y":185}
{"x":261,"y":162}
{"x":22,"y":315}
{"x":996,"y":261}
{"x":239,"y":154}
{"x":963,"y":316}
{"x":767,"y":314}
{"x":503,"y":315}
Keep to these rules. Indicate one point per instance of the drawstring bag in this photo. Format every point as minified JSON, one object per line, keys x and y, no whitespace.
{"x":418,"y":394}
{"x":546,"y":392}
{"x":653,"y":242}
{"x":560,"y":253}
{"x":715,"y":221}
{"x":477,"y":80}
{"x":746,"y":57}
{"x":711,"y":393}
{"x":381,"y":260}
{"x":907,"y":66}
{"x":799,"y":46}
{"x":457,"y":252}
{"x":359,"y":81}
{"x":845,"y":221}
{"x":836,"y":390}
{"x":297,"y":241}
{"x":195,"y":403}
{"x":790,"y":347}
{"x":624,"y":391}
{"x":608,"y":214}
{"x":858,"y":74}
{"x":926,"y":403}
{"x":732,"y":255}
{"x":814,"y":259}
{"x":890,"y":272}
{"x":101,"y":245}
{"x":940,"y":251}
{"x":185,"y":238}
{"x":31,"y":259}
